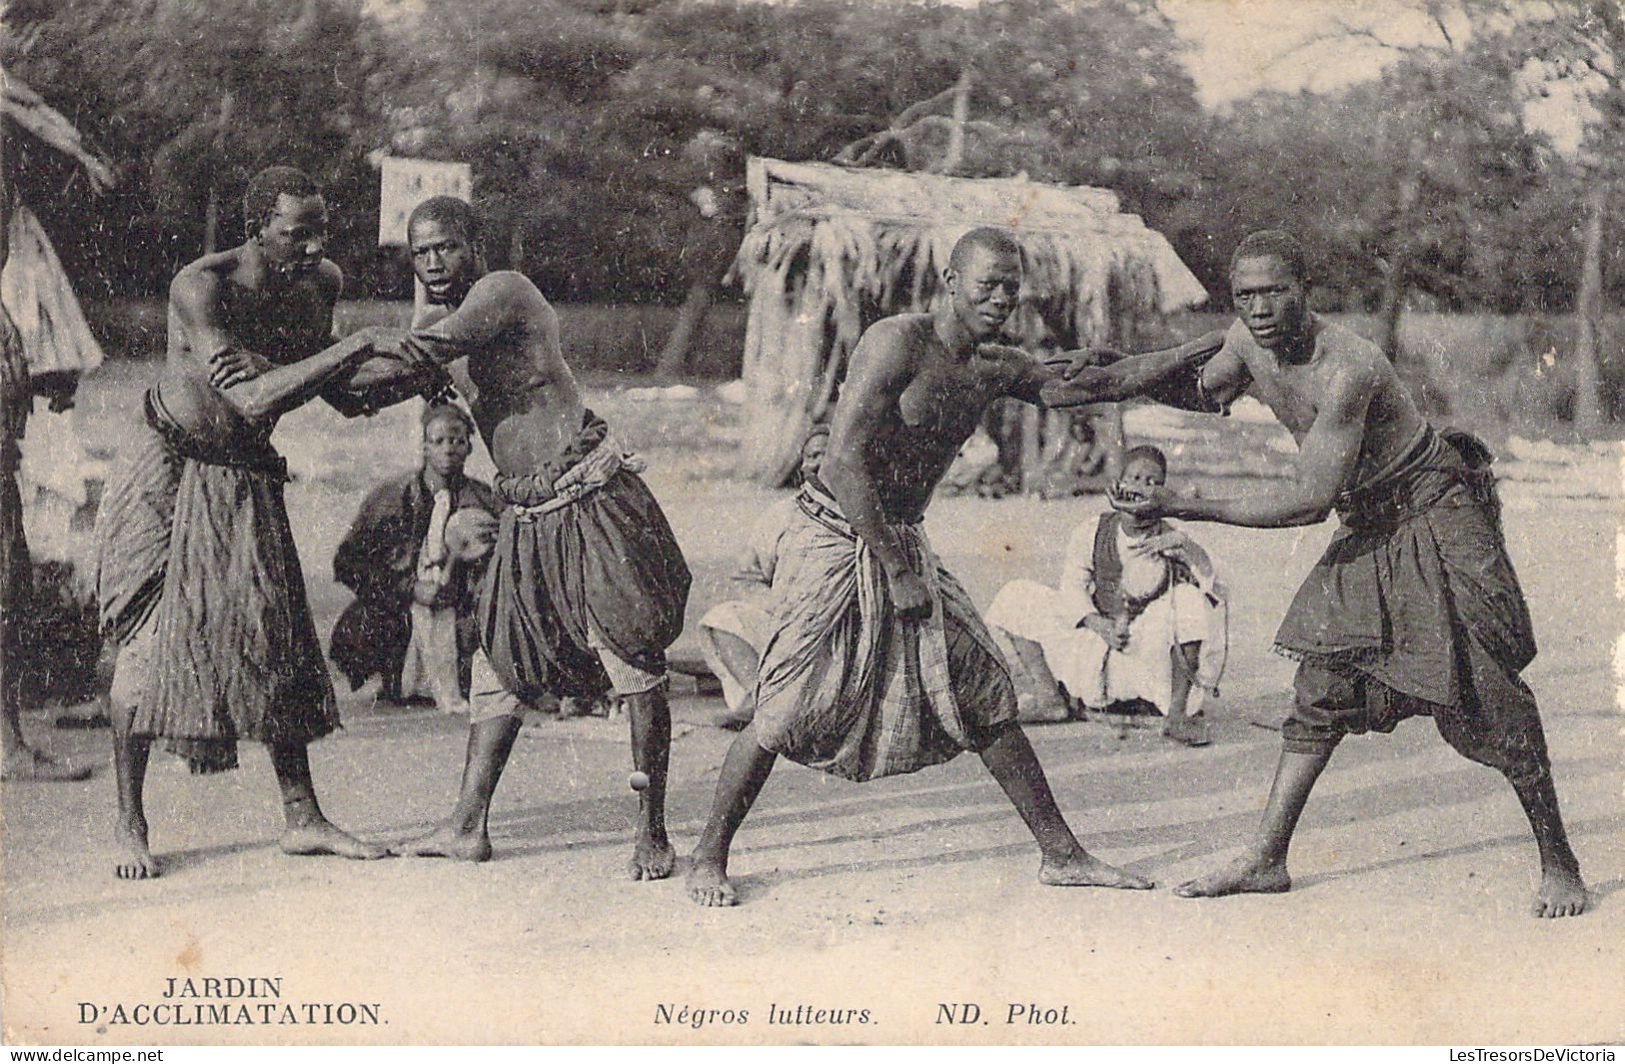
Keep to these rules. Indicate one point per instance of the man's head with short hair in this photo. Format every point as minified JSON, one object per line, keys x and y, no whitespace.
{"x":984,"y":237}
{"x":265,"y":190}
{"x":285,"y":219}
{"x":1145,"y":471}
{"x":446,"y":412}
{"x":1145,"y":452}
{"x":1269,"y":286}
{"x":983,"y":279}
{"x":443,"y":233}
{"x":450,"y":212}
{"x":1278,"y":242}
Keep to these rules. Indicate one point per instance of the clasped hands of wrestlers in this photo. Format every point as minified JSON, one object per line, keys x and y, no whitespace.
{"x":231,"y":366}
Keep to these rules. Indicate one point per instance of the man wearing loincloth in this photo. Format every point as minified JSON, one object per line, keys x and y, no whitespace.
{"x":586,"y":586}
{"x":1414,"y":610}
{"x":198,"y":579}
{"x":878,"y":663}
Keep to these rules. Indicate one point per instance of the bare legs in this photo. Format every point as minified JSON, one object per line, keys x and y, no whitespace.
{"x":18,"y":760}
{"x":1064,"y":863}
{"x":1562,"y":892}
{"x":1262,"y":870}
{"x":134,"y":860}
{"x":1181,"y":725}
{"x":652,"y":855}
{"x":306,"y":833}
{"x":1009,"y":758}
{"x":465,"y":834}
{"x":744,"y":771}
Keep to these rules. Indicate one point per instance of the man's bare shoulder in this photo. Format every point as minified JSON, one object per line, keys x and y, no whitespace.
{"x":508,"y":285}
{"x":896,"y":337}
{"x":1342,"y":344}
{"x":200,"y":281}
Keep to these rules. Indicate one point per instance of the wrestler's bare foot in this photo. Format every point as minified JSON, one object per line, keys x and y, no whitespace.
{"x":708,"y":883}
{"x":319,"y":837}
{"x":1245,"y":875}
{"x":448,"y":842}
{"x":135,"y":860}
{"x":27,"y":763}
{"x":1079,"y":869}
{"x":651,"y":859}
{"x":1562,"y":893}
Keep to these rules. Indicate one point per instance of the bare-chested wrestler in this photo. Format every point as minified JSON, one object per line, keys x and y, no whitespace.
{"x":1414,"y":610}
{"x":879,"y":663}
{"x":587,"y":586}
{"x":197,"y":576}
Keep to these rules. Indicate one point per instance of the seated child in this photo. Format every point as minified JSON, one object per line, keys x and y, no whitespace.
{"x":1139,"y":616}
{"x":414,"y":557}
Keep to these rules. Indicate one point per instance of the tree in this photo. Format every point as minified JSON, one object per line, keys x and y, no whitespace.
{"x":1581,"y":44}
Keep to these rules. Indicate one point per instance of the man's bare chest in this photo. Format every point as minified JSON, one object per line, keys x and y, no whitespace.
{"x":1289,"y":391}
{"x":947,"y":398}
{"x":282,"y":329}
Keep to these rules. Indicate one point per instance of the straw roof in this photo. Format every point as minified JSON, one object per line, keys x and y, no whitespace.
{"x":33,"y":285}
{"x":830,"y":249}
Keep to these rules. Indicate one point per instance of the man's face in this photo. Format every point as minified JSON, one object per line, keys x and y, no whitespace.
{"x":446,"y":445}
{"x":985,"y":293}
{"x":812,"y":454}
{"x":1269,"y":300}
{"x":1140,"y":479}
{"x":443,"y":260}
{"x":295,"y":236}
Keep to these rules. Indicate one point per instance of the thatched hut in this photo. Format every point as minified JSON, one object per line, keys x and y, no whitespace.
{"x":33,"y":285}
{"x":56,"y":477}
{"x":828,"y":250}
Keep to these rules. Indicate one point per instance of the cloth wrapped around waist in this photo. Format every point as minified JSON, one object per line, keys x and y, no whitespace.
{"x":254,"y":455}
{"x":591,"y":460}
{"x":584,"y":557}
{"x":1419,"y":566}
{"x":848,"y":686}
{"x":1448,"y":467}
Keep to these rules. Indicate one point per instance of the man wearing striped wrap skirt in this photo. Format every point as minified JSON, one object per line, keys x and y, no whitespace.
{"x":197,"y":575}
{"x":586,"y":586}
{"x":1415,"y":609}
{"x":878,"y":663}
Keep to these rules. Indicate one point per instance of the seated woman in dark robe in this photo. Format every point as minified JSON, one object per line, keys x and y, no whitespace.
{"x":410,"y":558}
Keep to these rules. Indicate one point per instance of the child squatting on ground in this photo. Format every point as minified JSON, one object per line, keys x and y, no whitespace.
{"x":1139,"y":616}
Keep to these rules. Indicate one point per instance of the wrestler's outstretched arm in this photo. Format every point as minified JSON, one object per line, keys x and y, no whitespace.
{"x":1325,"y":465}
{"x":880,"y":369}
{"x":274,"y":389}
{"x":1071,"y":381}
{"x":412,"y":359}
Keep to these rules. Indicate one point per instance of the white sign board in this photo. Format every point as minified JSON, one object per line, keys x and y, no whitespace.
{"x":407,"y":183}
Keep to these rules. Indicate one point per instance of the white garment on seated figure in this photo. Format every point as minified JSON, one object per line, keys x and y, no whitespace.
{"x":430,"y":670}
{"x":1081,"y":660}
{"x":750,"y":618}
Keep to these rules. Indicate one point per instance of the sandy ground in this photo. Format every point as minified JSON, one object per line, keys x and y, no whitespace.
{"x":911,"y":898}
